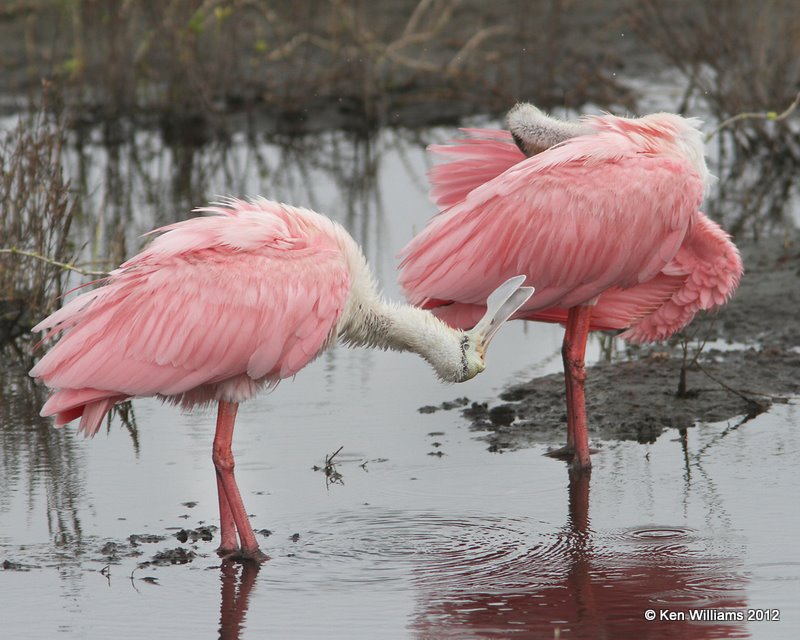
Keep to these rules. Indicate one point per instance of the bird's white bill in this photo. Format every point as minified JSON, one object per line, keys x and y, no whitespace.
{"x":501,"y":304}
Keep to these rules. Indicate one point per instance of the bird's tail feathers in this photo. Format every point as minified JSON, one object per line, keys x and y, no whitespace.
{"x":90,"y":405}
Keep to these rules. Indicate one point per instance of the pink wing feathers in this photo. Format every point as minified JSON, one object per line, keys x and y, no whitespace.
{"x":693,"y":264}
{"x":708,"y":266}
{"x":574,"y":229}
{"x":215,"y":305}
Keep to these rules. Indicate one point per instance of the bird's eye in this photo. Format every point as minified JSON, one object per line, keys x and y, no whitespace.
{"x":465,"y":345}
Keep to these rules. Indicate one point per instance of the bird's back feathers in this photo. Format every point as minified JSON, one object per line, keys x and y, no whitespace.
{"x":610,"y":217}
{"x":213,"y":308}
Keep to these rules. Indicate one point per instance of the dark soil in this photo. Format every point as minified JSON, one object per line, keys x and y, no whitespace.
{"x":636,"y":398}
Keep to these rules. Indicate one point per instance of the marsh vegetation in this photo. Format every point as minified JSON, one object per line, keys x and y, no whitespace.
{"x":121,"y":116}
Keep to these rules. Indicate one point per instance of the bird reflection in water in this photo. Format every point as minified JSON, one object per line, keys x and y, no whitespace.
{"x":235,"y":599}
{"x":586,"y":584}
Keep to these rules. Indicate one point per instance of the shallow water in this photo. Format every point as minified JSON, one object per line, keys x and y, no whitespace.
{"x":469,"y":544}
{"x":428,"y":535}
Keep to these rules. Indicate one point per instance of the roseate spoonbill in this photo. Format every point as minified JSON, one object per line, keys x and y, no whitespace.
{"x":220,"y":306}
{"x":602,"y":216}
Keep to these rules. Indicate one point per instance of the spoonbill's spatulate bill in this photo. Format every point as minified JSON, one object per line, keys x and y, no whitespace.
{"x":220,"y":306}
{"x":603,"y":218}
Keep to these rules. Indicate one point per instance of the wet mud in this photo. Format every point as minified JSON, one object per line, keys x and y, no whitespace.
{"x":749,"y":356}
{"x":156,"y":549}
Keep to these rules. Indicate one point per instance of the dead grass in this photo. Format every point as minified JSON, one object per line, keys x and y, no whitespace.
{"x":36,"y":211}
{"x":737,"y":56}
{"x":187,"y":62}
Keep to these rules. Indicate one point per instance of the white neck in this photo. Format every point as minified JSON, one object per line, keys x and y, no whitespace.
{"x":385,"y":325}
{"x":370,"y":321}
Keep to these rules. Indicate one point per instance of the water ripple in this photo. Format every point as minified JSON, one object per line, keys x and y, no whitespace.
{"x":386,"y":546}
{"x":491,"y":574}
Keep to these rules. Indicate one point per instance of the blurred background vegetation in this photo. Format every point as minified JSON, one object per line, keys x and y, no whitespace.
{"x":194,"y":73}
{"x":323,"y":63}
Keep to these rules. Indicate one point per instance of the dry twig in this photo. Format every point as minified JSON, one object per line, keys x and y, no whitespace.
{"x":771,"y":116}
{"x":61,"y":265}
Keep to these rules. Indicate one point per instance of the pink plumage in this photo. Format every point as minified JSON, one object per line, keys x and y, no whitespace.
{"x":585,"y":220}
{"x":214,"y":308}
{"x":608,"y":219}
{"x":219,"y":306}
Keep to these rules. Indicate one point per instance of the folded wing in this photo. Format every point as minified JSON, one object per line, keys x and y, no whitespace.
{"x":169,"y":322}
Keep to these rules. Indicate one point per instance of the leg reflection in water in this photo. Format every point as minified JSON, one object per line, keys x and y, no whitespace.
{"x":580,"y":581}
{"x":233,"y":601}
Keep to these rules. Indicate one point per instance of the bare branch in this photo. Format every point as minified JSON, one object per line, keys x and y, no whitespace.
{"x":473,"y":43}
{"x":416,"y":16}
{"x":55,"y":263}
{"x":756,"y":115}
{"x":288,"y":48}
{"x":410,"y":37}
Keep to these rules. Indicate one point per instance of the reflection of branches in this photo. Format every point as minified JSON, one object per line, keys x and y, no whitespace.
{"x":124,"y":411}
{"x":759,"y":194}
{"x":714,"y":502}
{"x":125,"y":194}
{"x":730,"y":428}
{"x":416,"y":140}
{"x":36,"y":455}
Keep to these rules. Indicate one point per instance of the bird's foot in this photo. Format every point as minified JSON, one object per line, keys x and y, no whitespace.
{"x":562,"y":453}
{"x":566,"y":453}
{"x":227,"y":548}
{"x":241,"y":555}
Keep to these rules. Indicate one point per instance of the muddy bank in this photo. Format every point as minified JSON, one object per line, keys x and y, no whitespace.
{"x":754,"y":362}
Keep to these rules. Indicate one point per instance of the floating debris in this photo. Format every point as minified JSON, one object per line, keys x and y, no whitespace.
{"x":205,"y":534}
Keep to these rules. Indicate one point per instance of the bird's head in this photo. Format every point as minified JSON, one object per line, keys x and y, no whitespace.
{"x":473,"y":359}
{"x":534,"y":131}
{"x":500,"y":306}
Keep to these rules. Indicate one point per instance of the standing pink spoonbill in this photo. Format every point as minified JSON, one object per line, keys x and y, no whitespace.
{"x":220,"y":306}
{"x":603,"y":218}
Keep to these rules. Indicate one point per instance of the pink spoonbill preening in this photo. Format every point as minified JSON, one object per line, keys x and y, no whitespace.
{"x":603,"y":218}
{"x":220,"y":306}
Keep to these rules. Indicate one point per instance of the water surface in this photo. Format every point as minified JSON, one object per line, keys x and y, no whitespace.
{"x":428,"y":535}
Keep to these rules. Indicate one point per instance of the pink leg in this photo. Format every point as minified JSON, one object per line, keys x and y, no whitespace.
{"x":228,"y":544}
{"x":570,"y":448}
{"x":574,"y":351}
{"x":230,"y":500}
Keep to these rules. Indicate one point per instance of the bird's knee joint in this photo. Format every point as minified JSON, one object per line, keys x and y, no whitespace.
{"x":577,"y":370}
{"x":223,"y":461}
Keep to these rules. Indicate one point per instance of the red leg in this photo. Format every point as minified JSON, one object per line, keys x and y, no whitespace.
{"x":570,"y":448}
{"x":230,"y":496}
{"x":574,"y":351}
{"x":228,"y":544}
